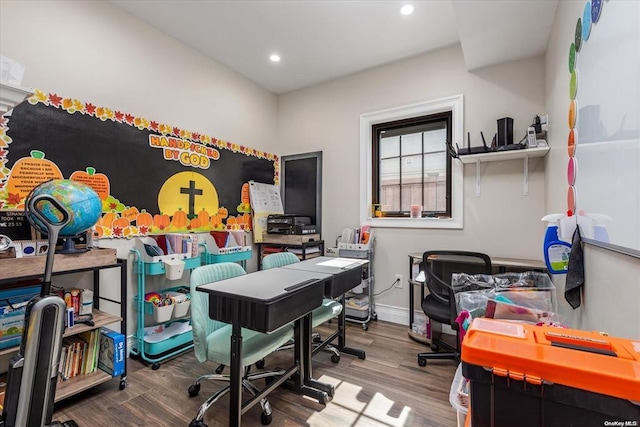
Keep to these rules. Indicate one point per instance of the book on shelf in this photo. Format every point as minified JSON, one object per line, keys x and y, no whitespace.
{"x":78,"y":355}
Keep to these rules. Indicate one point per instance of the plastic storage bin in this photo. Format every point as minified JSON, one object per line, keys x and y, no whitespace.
{"x":162,"y":313}
{"x":12,"y":308}
{"x":544,"y":376}
{"x":458,"y":397}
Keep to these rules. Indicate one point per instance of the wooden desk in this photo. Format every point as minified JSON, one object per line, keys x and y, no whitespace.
{"x":265,"y":301}
{"x":500,"y":265}
{"x":345,"y":274}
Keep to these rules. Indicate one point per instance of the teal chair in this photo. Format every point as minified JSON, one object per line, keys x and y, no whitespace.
{"x":327,"y":311}
{"x":212,"y":341}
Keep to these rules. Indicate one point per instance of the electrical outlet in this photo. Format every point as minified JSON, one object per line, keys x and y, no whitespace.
{"x":544,"y":119}
{"x":399,"y":281}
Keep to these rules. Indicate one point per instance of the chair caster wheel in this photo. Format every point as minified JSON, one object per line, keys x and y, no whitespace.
{"x":335,"y":358}
{"x":317,"y":339}
{"x":434,"y":347}
{"x":123,"y":384}
{"x":265,"y":419}
{"x":194,"y":389}
{"x":422,"y":362}
{"x":195,"y":423}
{"x":219,"y":369}
{"x":260,"y":364}
{"x":155,"y":366}
{"x":365,"y":326}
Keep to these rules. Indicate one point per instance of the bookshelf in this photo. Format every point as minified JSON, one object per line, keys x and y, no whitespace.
{"x":16,"y":270}
{"x":81,"y":383}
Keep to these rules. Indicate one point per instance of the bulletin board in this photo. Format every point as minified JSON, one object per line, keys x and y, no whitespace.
{"x":152,"y":178}
{"x":603,"y":170}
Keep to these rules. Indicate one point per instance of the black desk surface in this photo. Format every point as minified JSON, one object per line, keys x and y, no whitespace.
{"x":346,"y":273}
{"x":267,"y":299}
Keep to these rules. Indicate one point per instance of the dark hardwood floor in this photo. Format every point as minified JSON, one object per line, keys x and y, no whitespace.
{"x":388,"y":388}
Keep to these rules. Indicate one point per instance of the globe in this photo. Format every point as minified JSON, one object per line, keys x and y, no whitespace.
{"x":81,"y":202}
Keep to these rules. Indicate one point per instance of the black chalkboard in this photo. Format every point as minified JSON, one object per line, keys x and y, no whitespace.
{"x":302,"y":186}
{"x":122,"y":151}
{"x":15,"y":225}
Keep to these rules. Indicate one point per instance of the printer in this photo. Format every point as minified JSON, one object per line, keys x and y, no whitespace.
{"x":289,"y":224}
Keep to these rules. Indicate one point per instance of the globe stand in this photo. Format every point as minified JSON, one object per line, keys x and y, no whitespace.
{"x":33,"y":371}
{"x":69,"y":247}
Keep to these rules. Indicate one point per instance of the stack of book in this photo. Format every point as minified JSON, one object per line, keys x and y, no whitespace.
{"x":79,"y":354}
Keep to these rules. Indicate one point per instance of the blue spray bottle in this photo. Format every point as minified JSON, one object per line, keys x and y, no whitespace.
{"x":556,"y":251}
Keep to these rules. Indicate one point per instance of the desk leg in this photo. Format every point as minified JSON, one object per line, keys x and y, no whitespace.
{"x":307,"y":353}
{"x":342,"y":338}
{"x":235,"y":382}
{"x":302,"y":383}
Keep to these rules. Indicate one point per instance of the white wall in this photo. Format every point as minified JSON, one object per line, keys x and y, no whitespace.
{"x":612,"y":291}
{"x":501,"y":222}
{"x":94,"y":52}
{"x":97,"y":53}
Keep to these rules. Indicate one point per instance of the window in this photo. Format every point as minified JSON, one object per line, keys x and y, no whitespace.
{"x":413,"y":150}
{"x":411,"y":166}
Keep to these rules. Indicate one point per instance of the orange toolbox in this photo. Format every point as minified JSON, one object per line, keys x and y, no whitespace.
{"x":525,"y":375}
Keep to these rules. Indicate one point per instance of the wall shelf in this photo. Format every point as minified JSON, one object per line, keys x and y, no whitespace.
{"x":11,"y":95}
{"x":500,"y":156}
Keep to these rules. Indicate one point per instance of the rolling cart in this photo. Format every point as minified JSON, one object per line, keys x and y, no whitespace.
{"x":360,"y":304}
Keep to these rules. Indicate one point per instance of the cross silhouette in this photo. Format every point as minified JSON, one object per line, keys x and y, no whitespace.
{"x":192,"y":191}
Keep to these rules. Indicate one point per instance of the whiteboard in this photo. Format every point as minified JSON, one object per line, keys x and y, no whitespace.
{"x":607,"y":180}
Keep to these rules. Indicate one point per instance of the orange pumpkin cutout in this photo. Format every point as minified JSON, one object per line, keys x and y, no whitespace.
{"x":98,"y":181}
{"x":223,"y":213}
{"x":144,"y":218}
{"x":120,"y":222}
{"x":203,"y":217}
{"x":247,"y":221}
{"x":179,"y":219}
{"x":244,"y":195}
{"x":29,"y":172}
{"x":130,"y":213}
{"x":161,"y":221}
{"x":215,"y":220}
{"x":108,"y":218}
{"x":194,"y":223}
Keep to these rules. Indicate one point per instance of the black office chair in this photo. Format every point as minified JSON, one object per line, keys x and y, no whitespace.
{"x":440,"y":304}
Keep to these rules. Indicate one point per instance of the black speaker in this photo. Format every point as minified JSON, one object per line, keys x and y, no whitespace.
{"x":505,"y":131}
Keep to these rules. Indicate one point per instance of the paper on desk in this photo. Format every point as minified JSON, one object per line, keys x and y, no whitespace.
{"x":338,"y":262}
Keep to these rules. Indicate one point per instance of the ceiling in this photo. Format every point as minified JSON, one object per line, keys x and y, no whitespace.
{"x":320,"y":40}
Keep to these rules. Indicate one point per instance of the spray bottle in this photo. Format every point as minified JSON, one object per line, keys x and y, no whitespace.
{"x":556,"y":251}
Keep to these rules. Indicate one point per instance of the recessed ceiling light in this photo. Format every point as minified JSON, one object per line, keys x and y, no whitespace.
{"x":407,"y":9}
{"x":275,"y":58}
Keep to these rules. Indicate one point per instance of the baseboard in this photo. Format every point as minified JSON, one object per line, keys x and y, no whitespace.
{"x":130,"y":343}
{"x":400,"y":315}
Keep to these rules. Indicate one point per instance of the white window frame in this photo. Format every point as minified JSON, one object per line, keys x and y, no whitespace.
{"x":367,"y":120}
